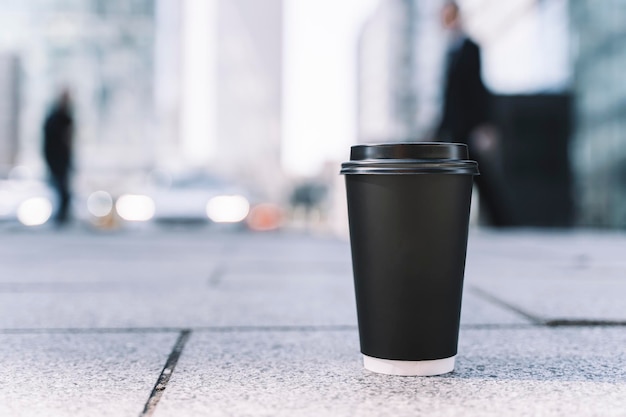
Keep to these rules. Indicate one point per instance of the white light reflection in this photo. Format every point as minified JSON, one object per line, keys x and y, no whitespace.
{"x":135,"y":208}
{"x":228,"y":208}
{"x":100,"y":203}
{"x":34,"y":211}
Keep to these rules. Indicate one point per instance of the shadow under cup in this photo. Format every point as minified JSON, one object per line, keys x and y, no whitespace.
{"x":408,"y":208}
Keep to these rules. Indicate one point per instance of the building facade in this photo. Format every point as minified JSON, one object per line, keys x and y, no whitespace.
{"x":399,"y":71}
{"x":9,"y":110}
{"x":249,"y":94}
{"x":155,"y":84}
{"x":599,"y":148}
{"x":102,"y":51}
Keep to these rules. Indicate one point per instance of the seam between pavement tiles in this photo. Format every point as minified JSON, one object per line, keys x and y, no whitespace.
{"x":538,"y":321}
{"x":495,"y":300}
{"x":286,"y":329}
{"x":166,"y":374}
{"x":217,"y":329}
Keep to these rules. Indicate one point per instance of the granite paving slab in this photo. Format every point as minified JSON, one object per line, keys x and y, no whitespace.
{"x":573,"y":248}
{"x":86,"y":374}
{"x":187,"y":280}
{"x":273,"y":327}
{"x":257,"y":300}
{"x":514,"y":372}
{"x":554,"y":277}
{"x":554,"y":301}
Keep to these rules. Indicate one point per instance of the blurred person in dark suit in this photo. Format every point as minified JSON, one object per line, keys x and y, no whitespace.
{"x":465,"y":116}
{"x":58,"y":143}
{"x":466,"y":100}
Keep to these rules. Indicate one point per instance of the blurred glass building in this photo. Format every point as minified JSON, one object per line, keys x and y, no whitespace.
{"x":103,"y":52}
{"x":400,"y":56}
{"x":9,"y":110}
{"x":599,"y":152}
{"x":190,"y":84}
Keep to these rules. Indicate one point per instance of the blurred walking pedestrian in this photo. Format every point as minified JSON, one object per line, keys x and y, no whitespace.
{"x":466,"y":114}
{"x":58,"y":143}
{"x":466,"y":100}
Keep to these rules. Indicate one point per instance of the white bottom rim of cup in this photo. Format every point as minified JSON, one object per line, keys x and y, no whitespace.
{"x":409,"y":368}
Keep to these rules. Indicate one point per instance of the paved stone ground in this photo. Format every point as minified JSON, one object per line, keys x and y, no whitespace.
{"x":188,"y":322}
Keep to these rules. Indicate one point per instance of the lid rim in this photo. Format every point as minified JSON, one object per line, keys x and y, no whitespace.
{"x":409,"y":150}
{"x":468,"y":168}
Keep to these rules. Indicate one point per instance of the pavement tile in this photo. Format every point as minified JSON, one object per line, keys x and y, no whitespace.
{"x":237,"y":281}
{"x":513,"y":372}
{"x":559,"y":249}
{"x":185,"y":279}
{"x":548,"y":300}
{"x":189,"y":306}
{"x":476,"y":311}
{"x":296,"y":304}
{"x":80,"y":374}
{"x":577,"y":276}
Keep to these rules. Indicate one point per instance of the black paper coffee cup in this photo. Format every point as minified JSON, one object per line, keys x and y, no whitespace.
{"x":408,"y":209}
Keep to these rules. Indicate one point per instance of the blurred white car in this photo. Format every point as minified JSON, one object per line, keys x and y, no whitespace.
{"x":191,"y":197}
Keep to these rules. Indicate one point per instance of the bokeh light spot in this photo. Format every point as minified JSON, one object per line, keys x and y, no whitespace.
{"x":228,"y":208}
{"x":100,"y":203}
{"x":34,"y":211}
{"x":135,"y":208}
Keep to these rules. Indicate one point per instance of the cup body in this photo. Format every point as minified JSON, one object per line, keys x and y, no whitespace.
{"x":408,"y":232}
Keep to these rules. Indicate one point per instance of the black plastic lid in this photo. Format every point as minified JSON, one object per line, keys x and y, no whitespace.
{"x":409,"y":150}
{"x":410,"y":158}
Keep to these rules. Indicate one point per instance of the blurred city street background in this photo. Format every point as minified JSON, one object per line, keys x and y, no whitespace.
{"x":204,"y":264}
{"x":262,"y":99}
